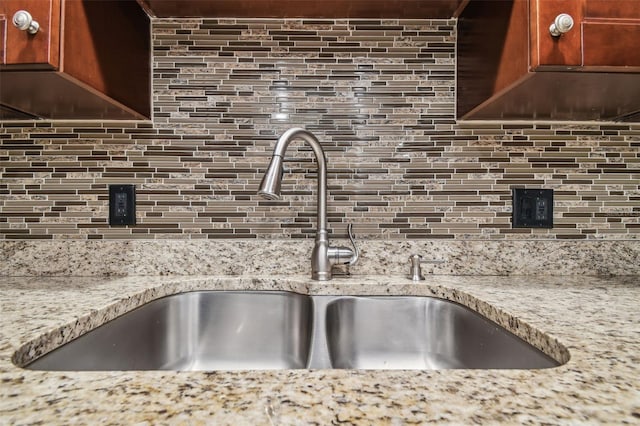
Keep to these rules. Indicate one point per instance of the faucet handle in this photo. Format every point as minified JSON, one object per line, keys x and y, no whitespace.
{"x":344,"y":255}
{"x":356,"y":250}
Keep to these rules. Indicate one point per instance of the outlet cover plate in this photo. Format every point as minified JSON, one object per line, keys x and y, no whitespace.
{"x":122,"y":205}
{"x":532,"y":208}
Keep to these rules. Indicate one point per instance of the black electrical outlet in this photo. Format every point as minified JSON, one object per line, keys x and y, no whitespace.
{"x":532,"y":208}
{"x":122,"y":205}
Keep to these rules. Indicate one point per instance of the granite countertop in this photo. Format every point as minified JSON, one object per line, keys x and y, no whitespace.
{"x":596,"y":319}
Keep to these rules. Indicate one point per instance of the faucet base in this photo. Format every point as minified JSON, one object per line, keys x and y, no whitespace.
{"x":321,"y":276}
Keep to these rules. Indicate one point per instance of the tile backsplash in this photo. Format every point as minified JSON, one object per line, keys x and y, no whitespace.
{"x":380,"y":97}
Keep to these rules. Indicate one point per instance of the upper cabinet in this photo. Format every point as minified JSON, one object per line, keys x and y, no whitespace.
{"x":549,"y":59}
{"x":302,"y":8}
{"x":605,"y":33}
{"x":605,"y":21}
{"x":23,"y":49}
{"x":74,"y":59}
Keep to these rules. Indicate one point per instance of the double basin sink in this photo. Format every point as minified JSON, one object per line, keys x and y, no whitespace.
{"x":246,"y":330}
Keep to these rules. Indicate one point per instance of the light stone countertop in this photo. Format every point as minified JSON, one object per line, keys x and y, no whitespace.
{"x":596,"y":319}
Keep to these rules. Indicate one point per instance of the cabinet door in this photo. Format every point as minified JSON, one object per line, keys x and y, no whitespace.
{"x":22,"y":50}
{"x":546,"y":49}
{"x":605,"y":34}
{"x":611,"y":33}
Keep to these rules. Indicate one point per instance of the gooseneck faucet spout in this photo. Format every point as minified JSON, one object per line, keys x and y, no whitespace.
{"x":323,"y":256}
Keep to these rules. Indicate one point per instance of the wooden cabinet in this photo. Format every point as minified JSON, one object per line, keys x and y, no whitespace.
{"x":611,"y":33}
{"x":605,"y":34}
{"x":89,"y":59}
{"x":511,"y":67}
{"x":37,"y":51}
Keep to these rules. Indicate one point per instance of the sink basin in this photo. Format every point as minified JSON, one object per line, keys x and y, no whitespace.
{"x":254,"y":330}
{"x":206,"y":330}
{"x":421,"y":333}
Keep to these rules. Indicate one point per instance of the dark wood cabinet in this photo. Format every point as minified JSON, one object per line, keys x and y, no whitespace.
{"x":89,"y":59}
{"x":611,"y":33}
{"x":605,"y":33}
{"x":37,"y":51}
{"x":511,"y":67}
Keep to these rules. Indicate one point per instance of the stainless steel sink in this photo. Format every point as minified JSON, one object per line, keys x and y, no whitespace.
{"x":196,"y":331}
{"x":226,"y":330}
{"x":421,"y":333}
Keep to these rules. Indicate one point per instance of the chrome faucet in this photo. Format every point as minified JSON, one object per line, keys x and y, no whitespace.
{"x":323,"y":256}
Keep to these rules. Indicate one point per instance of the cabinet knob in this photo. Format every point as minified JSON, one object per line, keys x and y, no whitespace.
{"x":562,"y":24}
{"x":24,"y":21}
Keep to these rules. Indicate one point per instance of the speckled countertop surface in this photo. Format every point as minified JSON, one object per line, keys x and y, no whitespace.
{"x":596,"y":319}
